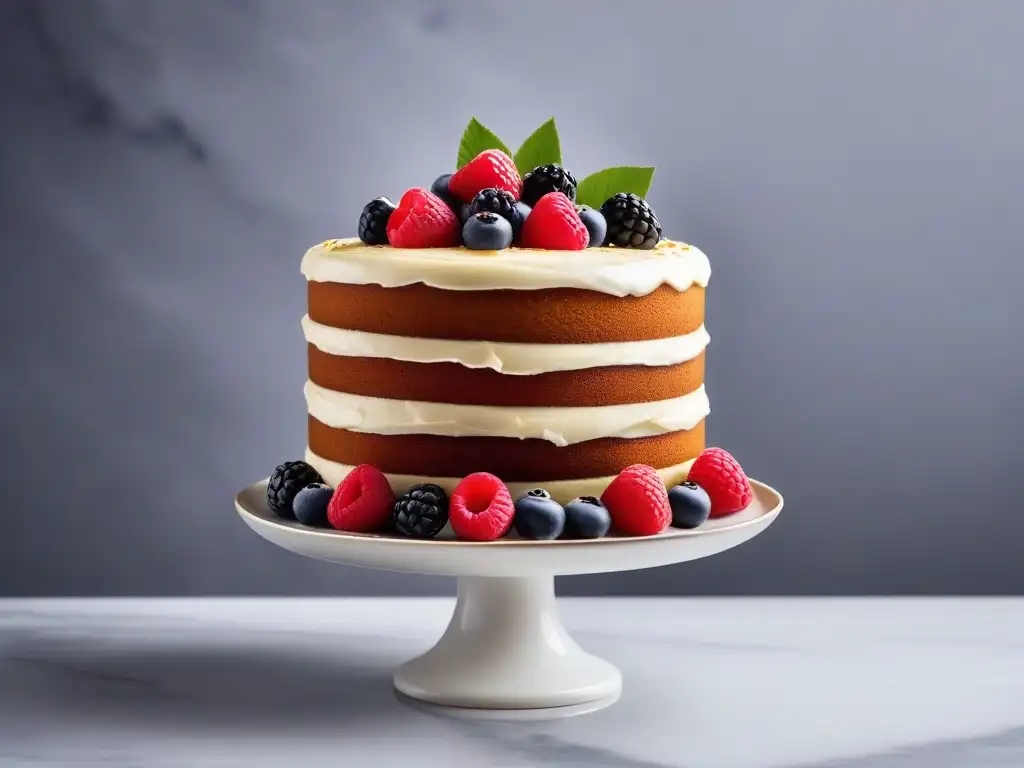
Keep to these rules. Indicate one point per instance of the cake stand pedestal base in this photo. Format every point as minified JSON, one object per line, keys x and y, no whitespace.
{"x":505,"y":654}
{"x":505,"y":648}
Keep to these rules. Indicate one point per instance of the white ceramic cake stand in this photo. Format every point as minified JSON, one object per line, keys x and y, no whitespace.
{"x":505,"y":648}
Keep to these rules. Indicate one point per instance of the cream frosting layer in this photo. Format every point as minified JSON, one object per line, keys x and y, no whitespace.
{"x":616,"y":271}
{"x":561,"y":426}
{"x":563,"y":491}
{"x":513,"y":359}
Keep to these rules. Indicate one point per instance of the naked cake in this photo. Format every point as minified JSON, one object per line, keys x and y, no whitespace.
{"x":516,"y":325}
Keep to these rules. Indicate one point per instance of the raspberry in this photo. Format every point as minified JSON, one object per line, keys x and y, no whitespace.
{"x":638,"y":502}
{"x":548,"y":178}
{"x":481,"y":508}
{"x":632,"y":223}
{"x":554,"y":223}
{"x":718,"y":473}
{"x":363,"y":502}
{"x":286,"y":482}
{"x":422,"y":220}
{"x":491,"y":169}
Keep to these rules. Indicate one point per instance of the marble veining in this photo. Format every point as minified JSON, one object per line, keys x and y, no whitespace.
{"x":745,"y":683}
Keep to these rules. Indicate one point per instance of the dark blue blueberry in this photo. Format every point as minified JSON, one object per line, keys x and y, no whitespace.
{"x":310,"y":505}
{"x":524,"y":211}
{"x":538,"y":516}
{"x":440,"y":188}
{"x":586,"y":518}
{"x":690,"y":504}
{"x":595,"y":224}
{"x":464,"y":212}
{"x":486,"y":232}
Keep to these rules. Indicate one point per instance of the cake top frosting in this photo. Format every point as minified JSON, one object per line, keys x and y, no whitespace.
{"x":616,"y":271}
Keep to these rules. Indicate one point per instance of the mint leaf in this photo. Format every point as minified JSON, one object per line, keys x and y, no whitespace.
{"x":540,"y":148}
{"x":475,"y":139}
{"x":598,"y":187}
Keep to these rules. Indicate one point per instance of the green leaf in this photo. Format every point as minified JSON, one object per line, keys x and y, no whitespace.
{"x":540,"y":148}
{"x":475,"y":139}
{"x":598,"y":187}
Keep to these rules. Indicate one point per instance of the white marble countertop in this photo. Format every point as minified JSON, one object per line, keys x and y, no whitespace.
{"x":844,"y":683}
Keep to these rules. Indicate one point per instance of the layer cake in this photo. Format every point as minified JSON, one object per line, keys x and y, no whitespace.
{"x":543,"y":367}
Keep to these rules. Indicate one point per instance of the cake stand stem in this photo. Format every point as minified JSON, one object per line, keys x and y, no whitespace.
{"x":505,"y":648}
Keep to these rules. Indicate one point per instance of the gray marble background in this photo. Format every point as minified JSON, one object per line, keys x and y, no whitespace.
{"x":854,"y":169}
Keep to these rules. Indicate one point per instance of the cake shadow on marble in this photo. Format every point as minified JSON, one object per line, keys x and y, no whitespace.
{"x":231,"y":687}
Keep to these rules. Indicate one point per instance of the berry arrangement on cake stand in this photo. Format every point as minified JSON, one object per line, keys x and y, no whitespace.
{"x":505,"y":647}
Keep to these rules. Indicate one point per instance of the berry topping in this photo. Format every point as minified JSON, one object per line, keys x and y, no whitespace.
{"x":596,"y":226}
{"x":421,"y":512}
{"x":481,"y":508}
{"x":632,"y":223}
{"x":586,"y":518}
{"x":502,"y":203}
{"x":440,"y":188}
{"x":286,"y":482}
{"x":486,"y":232}
{"x":690,"y":504}
{"x":638,"y":502}
{"x":548,"y":178}
{"x":491,"y":169}
{"x":538,"y":516}
{"x":422,"y":220}
{"x":718,"y":473}
{"x":465,"y":211}
{"x":554,"y":223}
{"x":310,"y":504}
{"x":363,"y":501}
{"x":373,"y":221}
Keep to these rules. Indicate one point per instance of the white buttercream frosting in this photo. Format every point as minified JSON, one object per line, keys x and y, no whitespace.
{"x":561,"y":426}
{"x":616,"y":271}
{"x":514,"y":359}
{"x":563,"y":491}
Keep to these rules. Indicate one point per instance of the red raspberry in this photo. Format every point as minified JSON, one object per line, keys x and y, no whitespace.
{"x":554,"y":223}
{"x":491,"y":169}
{"x":481,"y":508}
{"x":422,"y":220}
{"x":638,"y":502}
{"x":718,"y":473}
{"x":363,"y":502}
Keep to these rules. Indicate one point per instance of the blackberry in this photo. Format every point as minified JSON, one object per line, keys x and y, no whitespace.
{"x":286,"y":482}
{"x":632,"y":223}
{"x":500,"y":202}
{"x":548,"y":178}
{"x":373,"y":221}
{"x":421,"y":512}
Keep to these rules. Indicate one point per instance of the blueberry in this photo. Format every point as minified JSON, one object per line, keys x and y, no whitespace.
{"x":524,"y":211}
{"x":440,"y":188}
{"x":538,"y":516}
{"x":690,"y":504}
{"x":595,"y":224}
{"x":310,"y":505}
{"x":487,"y":232}
{"x":464,"y":212}
{"x":586,"y":518}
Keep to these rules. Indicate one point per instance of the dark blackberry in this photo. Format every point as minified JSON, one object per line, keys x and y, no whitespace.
{"x":286,"y":482}
{"x":373,"y":221}
{"x":500,"y":202}
{"x":421,"y":512}
{"x":632,"y":223}
{"x":548,"y":178}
